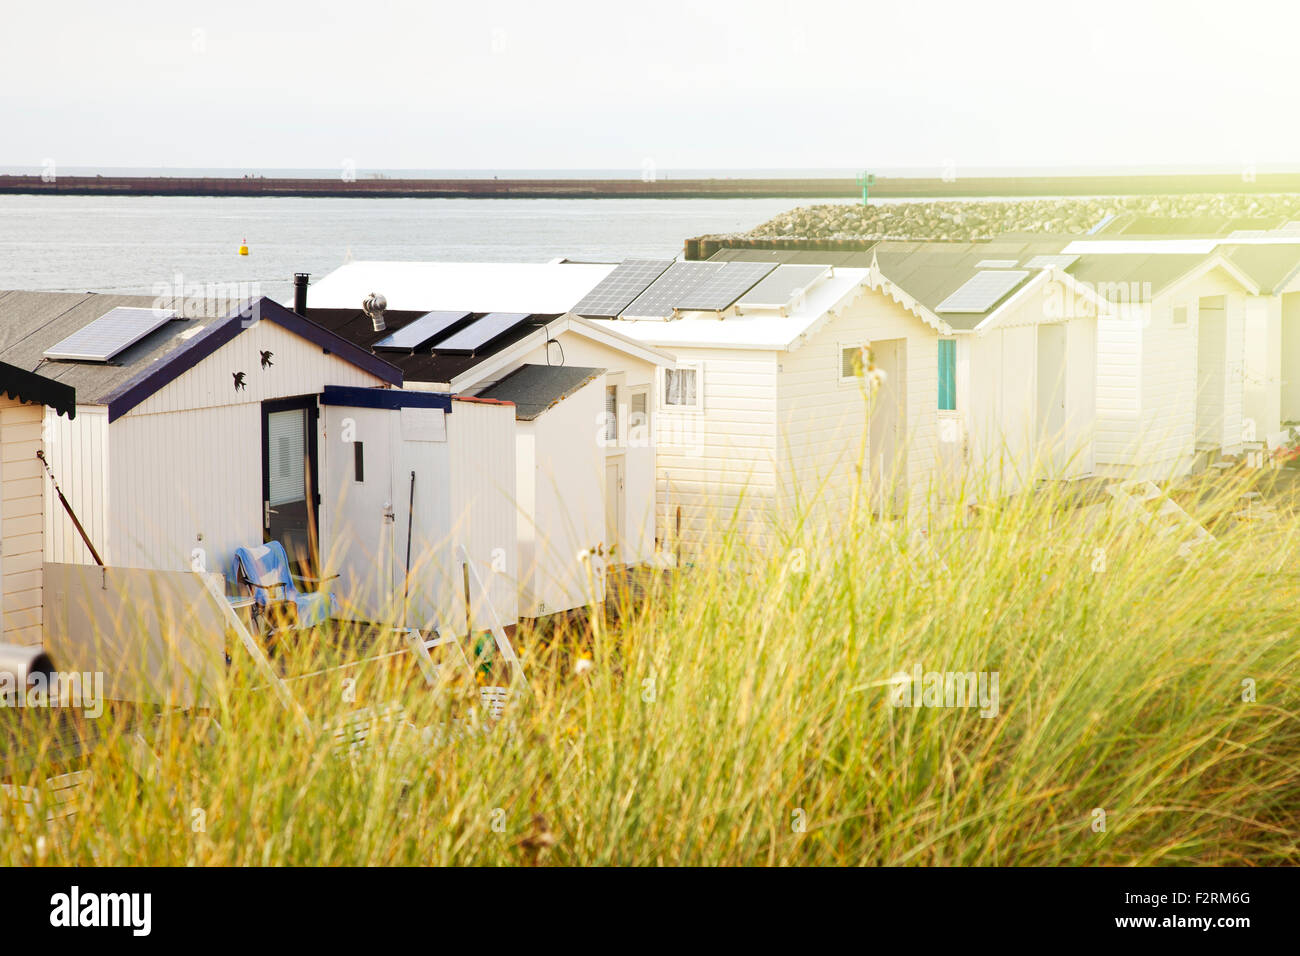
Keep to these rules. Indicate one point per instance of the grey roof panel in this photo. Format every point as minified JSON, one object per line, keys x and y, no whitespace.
{"x":535,"y":388}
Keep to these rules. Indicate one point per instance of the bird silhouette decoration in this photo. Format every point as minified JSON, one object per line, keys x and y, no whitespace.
{"x":239,"y":380}
{"x":266,"y":358}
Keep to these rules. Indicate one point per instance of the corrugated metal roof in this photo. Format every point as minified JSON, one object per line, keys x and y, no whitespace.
{"x":535,"y":388}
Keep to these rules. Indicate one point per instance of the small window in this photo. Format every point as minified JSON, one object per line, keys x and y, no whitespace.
{"x":1180,"y":315}
{"x":358,"y":461}
{"x":852,"y":358}
{"x":611,"y":413}
{"x":947,"y":375}
{"x":682,"y":387}
{"x":638,"y":417}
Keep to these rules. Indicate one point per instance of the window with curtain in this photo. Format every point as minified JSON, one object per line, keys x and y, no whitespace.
{"x":947,"y":375}
{"x":681,"y":387}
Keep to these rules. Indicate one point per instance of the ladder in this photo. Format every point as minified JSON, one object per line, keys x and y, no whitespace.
{"x":1156,"y":510}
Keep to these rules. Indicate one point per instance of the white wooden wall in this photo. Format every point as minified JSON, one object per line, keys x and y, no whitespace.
{"x":183,"y":469}
{"x":22,"y":525}
{"x":821,"y":419}
{"x":721,"y":459}
{"x":78,"y":454}
{"x":639,"y":459}
{"x":1146,"y":381}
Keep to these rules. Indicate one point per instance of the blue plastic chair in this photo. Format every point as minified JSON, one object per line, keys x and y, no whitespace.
{"x":264,"y":570}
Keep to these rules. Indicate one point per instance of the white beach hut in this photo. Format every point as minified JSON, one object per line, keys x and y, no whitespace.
{"x":1016,"y":355}
{"x":764,"y":414}
{"x":465,"y":328}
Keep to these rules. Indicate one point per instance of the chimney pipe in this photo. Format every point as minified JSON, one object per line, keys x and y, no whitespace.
{"x":300,"y":292}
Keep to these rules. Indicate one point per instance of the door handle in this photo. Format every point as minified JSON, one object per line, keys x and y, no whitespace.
{"x":267,"y":511}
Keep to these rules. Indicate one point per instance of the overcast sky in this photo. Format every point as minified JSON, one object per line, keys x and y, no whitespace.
{"x":600,"y":85}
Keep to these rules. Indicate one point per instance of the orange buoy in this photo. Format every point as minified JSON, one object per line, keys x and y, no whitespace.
{"x":243,"y":247}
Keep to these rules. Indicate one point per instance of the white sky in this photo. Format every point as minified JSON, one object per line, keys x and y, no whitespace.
{"x":604,"y":85}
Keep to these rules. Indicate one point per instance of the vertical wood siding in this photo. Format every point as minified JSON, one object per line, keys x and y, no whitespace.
{"x":21,"y":522}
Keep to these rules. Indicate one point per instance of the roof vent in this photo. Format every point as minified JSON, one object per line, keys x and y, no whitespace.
{"x":374,"y":307}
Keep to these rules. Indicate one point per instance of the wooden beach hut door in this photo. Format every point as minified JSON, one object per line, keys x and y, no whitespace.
{"x":886,"y":440}
{"x":614,"y":508}
{"x":290,"y":479}
{"x":1211,"y":373}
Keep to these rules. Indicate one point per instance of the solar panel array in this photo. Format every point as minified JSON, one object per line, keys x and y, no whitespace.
{"x":782,"y":285}
{"x":109,"y":334}
{"x":481,"y":331}
{"x":614,"y":292}
{"x":983,"y":290}
{"x":718,"y":291}
{"x":663,"y":295}
{"x":422,"y":331}
{"x":1052,"y":262}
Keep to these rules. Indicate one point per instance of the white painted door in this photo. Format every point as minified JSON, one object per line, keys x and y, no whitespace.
{"x":1211,"y":375}
{"x":614,"y":508}
{"x":363,"y":543}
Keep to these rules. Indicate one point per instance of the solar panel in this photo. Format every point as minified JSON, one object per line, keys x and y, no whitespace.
{"x":659,"y":300}
{"x":481,"y":331}
{"x":612,"y":294}
{"x":718,"y":291}
{"x":109,"y":334}
{"x":421,"y":331}
{"x":983,"y":290}
{"x":996,"y":264}
{"x":782,"y":285}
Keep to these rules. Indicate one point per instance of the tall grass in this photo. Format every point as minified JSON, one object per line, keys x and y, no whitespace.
{"x":741,"y":711}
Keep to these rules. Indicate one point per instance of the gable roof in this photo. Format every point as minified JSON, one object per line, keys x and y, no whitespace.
{"x":549,"y":288}
{"x":931,"y":271}
{"x":757,"y":328}
{"x":533,"y":389}
{"x":24,"y":386}
{"x":31,"y":322}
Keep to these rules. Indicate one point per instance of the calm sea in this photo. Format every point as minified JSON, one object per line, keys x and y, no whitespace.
{"x":134,"y":243}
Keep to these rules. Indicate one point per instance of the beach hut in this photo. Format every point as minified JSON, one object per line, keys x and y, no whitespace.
{"x":764,"y":414}
{"x":1271,"y":320}
{"x":24,"y":398}
{"x":1170,"y":355}
{"x":1016,"y":356}
{"x":462,"y":337}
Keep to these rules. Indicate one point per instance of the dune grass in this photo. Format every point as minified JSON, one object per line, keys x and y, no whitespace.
{"x":742,"y":712}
